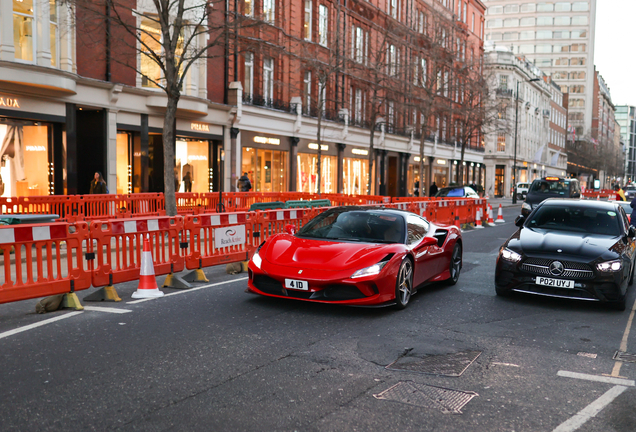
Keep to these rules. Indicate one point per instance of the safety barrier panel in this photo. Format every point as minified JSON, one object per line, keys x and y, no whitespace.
{"x":42,"y":260}
{"x":116,"y":247}
{"x":215,"y":239}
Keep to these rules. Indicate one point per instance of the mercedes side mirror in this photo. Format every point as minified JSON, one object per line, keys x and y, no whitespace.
{"x":631,"y":233}
{"x":521,"y":219}
{"x":290,"y":229}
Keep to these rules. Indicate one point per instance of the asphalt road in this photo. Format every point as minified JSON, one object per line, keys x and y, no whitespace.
{"x":217,"y":359}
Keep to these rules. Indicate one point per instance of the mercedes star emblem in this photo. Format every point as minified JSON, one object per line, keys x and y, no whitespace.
{"x":556,"y":268}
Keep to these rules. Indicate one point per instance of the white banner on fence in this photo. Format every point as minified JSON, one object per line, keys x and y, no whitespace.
{"x":229,"y":236}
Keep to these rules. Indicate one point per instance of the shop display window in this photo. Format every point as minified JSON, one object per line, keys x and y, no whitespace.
{"x":355,"y":176}
{"x":440,"y":176}
{"x":308,"y":173}
{"x":266,"y":169}
{"x":23,"y":36}
{"x":24,"y":159}
{"x":124,"y":169}
{"x":416,"y":182}
{"x":192,"y":165}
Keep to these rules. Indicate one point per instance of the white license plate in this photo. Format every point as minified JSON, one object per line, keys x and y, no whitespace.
{"x":556,"y":283}
{"x":297,"y":284}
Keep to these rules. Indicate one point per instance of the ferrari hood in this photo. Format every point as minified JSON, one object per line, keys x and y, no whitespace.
{"x":586,"y":247}
{"x":287,"y":250}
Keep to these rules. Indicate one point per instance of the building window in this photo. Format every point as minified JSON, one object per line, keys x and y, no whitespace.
{"x":393,"y":8}
{"x":358,"y":109}
{"x":501,"y":143}
{"x":561,"y":21}
{"x":358,"y":46}
{"x":307,"y":92}
{"x":503,"y":82}
{"x":562,"y":7}
{"x":269,"y":10}
{"x":545,"y":7}
{"x":510,"y":9}
{"x":526,"y":22}
{"x":307,"y":23}
{"x":268,"y":79}
{"x":150,"y":43}
{"x":323,"y":24}
{"x":528,"y":7}
{"x":580,"y":6}
{"x":248,"y":8}
{"x":392,"y":60}
{"x":424,"y":71}
{"x":473,"y":23}
{"x":248,"y":77}
{"x":23,"y":35}
{"x":579,"y":20}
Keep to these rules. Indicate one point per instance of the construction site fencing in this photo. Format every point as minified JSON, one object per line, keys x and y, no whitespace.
{"x":42,"y":260}
{"x":57,"y":258}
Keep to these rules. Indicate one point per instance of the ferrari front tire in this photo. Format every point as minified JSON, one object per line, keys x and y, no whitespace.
{"x":404,"y":284}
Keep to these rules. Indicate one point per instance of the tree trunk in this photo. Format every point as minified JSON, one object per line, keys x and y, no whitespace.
{"x":169,"y":174}
{"x":371,"y":156}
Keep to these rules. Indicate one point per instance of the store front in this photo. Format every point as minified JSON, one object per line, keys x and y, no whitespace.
{"x":417,"y":185}
{"x":307,"y":171}
{"x":440,"y":172}
{"x":198,"y":156}
{"x":355,"y":171}
{"x":265,"y":159}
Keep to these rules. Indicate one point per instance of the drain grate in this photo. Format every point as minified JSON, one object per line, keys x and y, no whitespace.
{"x":446,"y":400}
{"x":625,"y":357}
{"x":452,"y":365}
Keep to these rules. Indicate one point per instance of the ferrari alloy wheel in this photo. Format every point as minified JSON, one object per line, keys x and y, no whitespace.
{"x":404,"y":284}
{"x":455,"y":264}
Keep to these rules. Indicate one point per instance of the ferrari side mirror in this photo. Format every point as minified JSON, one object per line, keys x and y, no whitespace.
{"x":428,"y":241}
{"x":520,"y":220}
{"x":290,"y":229}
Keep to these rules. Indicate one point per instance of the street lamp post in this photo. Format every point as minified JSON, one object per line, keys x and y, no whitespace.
{"x":514,"y":163}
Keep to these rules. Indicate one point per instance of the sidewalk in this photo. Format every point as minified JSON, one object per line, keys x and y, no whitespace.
{"x":505,"y":202}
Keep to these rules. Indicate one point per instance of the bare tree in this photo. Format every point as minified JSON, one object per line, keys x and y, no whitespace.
{"x":172,"y":37}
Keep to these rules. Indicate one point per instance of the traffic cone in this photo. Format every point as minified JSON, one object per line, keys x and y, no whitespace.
{"x":147,"y":283}
{"x":598,"y":197}
{"x":500,"y":218}
{"x":490,"y":221}
{"x":479,"y":219}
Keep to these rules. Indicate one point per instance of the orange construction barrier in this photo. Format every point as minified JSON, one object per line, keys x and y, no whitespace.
{"x":42,"y":260}
{"x":118,"y":245}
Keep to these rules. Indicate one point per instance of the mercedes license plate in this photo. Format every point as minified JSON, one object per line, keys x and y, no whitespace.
{"x":297,"y":284}
{"x":556,"y":283}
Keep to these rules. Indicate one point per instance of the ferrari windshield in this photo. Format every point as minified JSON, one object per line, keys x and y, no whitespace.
{"x":356,"y":225}
{"x":575,"y":218}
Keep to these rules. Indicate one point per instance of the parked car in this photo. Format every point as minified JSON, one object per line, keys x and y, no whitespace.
{"x":550,"y":187}
{"x":522,"y":190}
{"x":357,"y":256}
{"x":630,"y":192}
{"x":457,"y":192}
{"x":627,"y":206}
{"x":570,"y":249}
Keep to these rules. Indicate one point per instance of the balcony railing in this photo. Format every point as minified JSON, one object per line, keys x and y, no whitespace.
{"x":260,"y":100}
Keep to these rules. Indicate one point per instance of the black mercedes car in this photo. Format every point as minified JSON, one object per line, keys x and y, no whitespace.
{"x":570,"y":249}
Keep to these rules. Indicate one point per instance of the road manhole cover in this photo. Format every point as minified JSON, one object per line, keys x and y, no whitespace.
{"x":625,"y":357}
{"x":445,"y":364}
{"x":446,"y":400}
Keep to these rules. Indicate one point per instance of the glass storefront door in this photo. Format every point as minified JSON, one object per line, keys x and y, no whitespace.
{"x":308,"y":173}
{"x":500,"y":172}
{"x":124,"y":168}
{"x":26,"y":165}
{"x":266,"y":169}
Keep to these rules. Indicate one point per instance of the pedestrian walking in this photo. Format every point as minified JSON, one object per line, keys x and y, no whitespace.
{"x":433,"y":190}
{"x":98,"y":185}
{"x":620,"y":194}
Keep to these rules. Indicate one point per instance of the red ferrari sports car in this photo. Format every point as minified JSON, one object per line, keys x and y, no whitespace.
{"x":357,"y":256}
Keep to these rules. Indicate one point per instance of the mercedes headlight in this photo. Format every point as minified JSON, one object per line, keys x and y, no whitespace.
{"x":509,"y":255}
{"x":609,"y":266}
{"x":526,"y":206}
{"x":370,"y":271}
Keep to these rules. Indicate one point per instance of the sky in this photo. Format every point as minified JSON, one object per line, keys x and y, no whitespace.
{"x":613,"y":50}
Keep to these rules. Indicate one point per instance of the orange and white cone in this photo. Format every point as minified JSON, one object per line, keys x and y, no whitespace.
{"x":598,"y":197}
{"x":478,"y":219}
{"x":500,"y":218}
{"x":147,"y":283}
{"x":490,"y":221}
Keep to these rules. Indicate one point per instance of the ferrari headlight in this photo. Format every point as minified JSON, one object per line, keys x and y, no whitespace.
{"x":509,"y":255}
{"x":608,"y":266}
{"x":256,"y":258}
{"x":370,"y":271}
{"x":526,"y":206}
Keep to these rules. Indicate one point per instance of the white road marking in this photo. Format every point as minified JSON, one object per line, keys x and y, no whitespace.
{"x":603,"y":379}
{"x":188,"y":290}
{"x":505,"y":364}
{"x":617,"y":366}
{"x":579,"y":419}
{"x":37,"y":324}
{"x":106,"y":309}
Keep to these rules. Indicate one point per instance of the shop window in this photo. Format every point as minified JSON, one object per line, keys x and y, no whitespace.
{"x":308,"y":172}
{"x":23,"y":35}
{"x":192,"y":165}
{"x":266,"y":169}
{"x":124,"y":169}
{"x":24,"y":159}
{"x":150,"y":43}
{"x":355,"y":176}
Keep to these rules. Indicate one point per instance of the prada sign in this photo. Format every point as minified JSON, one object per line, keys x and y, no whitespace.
{"x":9,"y":102}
